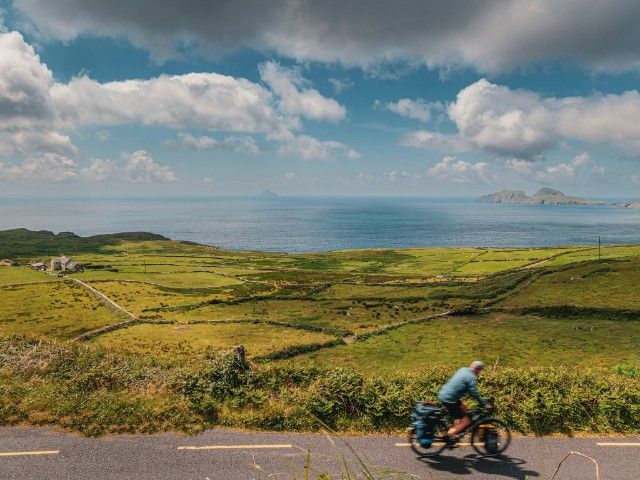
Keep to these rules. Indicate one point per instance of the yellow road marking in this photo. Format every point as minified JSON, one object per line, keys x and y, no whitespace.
{"x":461,"y":444}
{"x":238,"y":447}
{"x":618,"y":444}
{"x":38,"y":452}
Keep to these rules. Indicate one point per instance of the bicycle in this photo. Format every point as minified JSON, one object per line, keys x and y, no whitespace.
{"x":489,"y":435}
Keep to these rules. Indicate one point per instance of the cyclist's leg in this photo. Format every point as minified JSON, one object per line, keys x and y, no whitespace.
{"x":460,"y":419}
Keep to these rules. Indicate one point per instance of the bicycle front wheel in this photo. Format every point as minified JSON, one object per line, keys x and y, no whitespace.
{"x":491,"y":437}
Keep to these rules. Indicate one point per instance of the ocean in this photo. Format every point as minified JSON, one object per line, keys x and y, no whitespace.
{"x":307,"y":224}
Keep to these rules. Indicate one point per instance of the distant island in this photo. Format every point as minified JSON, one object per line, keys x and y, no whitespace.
{"x":268,"y":194}
{"x":544,"y":196}
{"x":635,"y":204}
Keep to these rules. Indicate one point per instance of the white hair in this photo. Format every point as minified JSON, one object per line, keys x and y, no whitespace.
{"x":477,"y":365}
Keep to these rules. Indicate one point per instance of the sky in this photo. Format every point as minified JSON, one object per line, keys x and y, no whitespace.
{"x":359,"y":97}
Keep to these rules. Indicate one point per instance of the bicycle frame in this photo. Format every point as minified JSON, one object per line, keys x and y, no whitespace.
{"x":477,"y":417}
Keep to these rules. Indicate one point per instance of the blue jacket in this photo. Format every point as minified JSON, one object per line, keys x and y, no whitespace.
{"x":463,"y":381}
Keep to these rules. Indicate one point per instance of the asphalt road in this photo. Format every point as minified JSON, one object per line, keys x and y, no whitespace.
{"x":37,"y":453}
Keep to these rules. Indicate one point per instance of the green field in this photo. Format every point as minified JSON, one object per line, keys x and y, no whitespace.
{"x":368,"y":311}
{"x":501,"y":339}
{"x":54,"y":309}
{"x":187,"y":342}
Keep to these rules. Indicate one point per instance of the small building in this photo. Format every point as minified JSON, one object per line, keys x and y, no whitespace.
{"x":65,"y":264}
{"x":41,"y":266}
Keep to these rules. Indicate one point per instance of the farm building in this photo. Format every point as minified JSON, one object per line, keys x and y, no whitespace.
{"x":39,"y":266}
{"x":65,"y":264}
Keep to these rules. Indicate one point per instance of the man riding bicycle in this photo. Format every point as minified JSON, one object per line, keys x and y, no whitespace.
{"x":462,"y":382}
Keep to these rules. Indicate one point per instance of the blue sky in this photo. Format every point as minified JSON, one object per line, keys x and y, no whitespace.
{"x":425,"y":98}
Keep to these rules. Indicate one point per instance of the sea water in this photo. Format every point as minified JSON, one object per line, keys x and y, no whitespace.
{"x":304,"y":224}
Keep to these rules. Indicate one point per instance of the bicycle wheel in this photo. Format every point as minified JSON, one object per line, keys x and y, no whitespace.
{"x":436,"y":447}
{"x":491,"y":426}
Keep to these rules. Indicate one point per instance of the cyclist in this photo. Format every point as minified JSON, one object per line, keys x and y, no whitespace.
{"x":462,"y":382}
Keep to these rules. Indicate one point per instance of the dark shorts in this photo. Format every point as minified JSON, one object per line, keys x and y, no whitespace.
{"x":455,"y":409}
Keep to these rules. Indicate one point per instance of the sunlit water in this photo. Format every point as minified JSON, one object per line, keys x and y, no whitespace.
{"x":299,"y":224}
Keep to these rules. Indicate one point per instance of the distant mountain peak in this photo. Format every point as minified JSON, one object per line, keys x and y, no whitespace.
{"x":268,"y":194}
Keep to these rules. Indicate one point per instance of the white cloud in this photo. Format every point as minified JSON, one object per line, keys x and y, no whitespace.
{"x":140,"y":167}
{"x":579,"y":170}
{"x":201,"y":100}
{"x":99,"y":171}
{"x":454,"y":170}
{"x":394,"y":176}
{"x":36,"y":113}
{"x":187,"y":141}
{"x":436,"y":141}
{"x":44,"y":168}
{"x":523,"y":124}
{"x":237,"y":143}
{"x":28,"y":118}
{"x":340,"y":84}
{"x":418,"y":109}
{"x":295,"y":98}
{"x":491,"y":36}
{"x":242,"y":144}
{"x":310,"y":148}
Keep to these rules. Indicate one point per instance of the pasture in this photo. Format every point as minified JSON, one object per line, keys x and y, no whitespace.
{"x":316,"y":297}
{"x":381,"y":326}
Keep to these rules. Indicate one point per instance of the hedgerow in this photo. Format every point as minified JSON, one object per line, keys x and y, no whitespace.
{"x":89,"y":390}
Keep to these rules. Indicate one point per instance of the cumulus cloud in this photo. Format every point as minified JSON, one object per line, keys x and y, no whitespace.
{"x":44,"y":168}
{"x":491,"y":36}
{"x":296,"y":98}
{"x":522,"y":124}
{"x":418,"y":109}
{"x":36,"y":113}
{"x":307,"y":147}
{"x":455,"y":170}
{"x":580,"y":169}
{"x":99,"y":170}
{"x":187,"y":141}
{"x":140,"y":167}
{"x":137,"y":167}
{"x":28,"y":117}
{"x":200,"y":100}
{"x":436,"y":141}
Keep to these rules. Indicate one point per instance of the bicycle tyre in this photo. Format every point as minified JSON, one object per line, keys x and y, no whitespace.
{"x":433,"y":451}
{"x":504,"y":435}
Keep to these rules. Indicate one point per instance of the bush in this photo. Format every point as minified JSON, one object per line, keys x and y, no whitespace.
{"x":86,"y":389}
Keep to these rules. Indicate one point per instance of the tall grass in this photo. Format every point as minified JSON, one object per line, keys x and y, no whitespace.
{"x":87,"y":389}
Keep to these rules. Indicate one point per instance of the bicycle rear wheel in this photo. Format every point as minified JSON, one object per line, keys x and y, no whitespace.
{"x":436,"y":447}
{"x":491,"y":426}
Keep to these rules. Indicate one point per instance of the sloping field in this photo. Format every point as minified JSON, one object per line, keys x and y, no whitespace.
{"x":606,"y":284}
{"x":54,"y":309}
{"x":511,"y":340}
{"x":179,"y":342}
{"x":16,"y":275}
{"x":184,"y":279}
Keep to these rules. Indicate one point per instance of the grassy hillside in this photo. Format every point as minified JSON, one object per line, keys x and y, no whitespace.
{"x":154,"y":303}
{"x":508,"y":339}
{"x":21,"y":242}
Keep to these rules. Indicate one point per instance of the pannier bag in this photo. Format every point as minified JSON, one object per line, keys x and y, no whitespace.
{"x":425,"y":417}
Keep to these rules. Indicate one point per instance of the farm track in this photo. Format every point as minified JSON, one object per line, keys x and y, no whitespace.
{"x":111,"y":304}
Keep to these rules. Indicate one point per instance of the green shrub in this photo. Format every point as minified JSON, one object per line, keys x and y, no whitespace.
{"x":86,"y":389}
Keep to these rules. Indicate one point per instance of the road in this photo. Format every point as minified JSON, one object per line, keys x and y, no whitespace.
{"x":38,"y":453}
